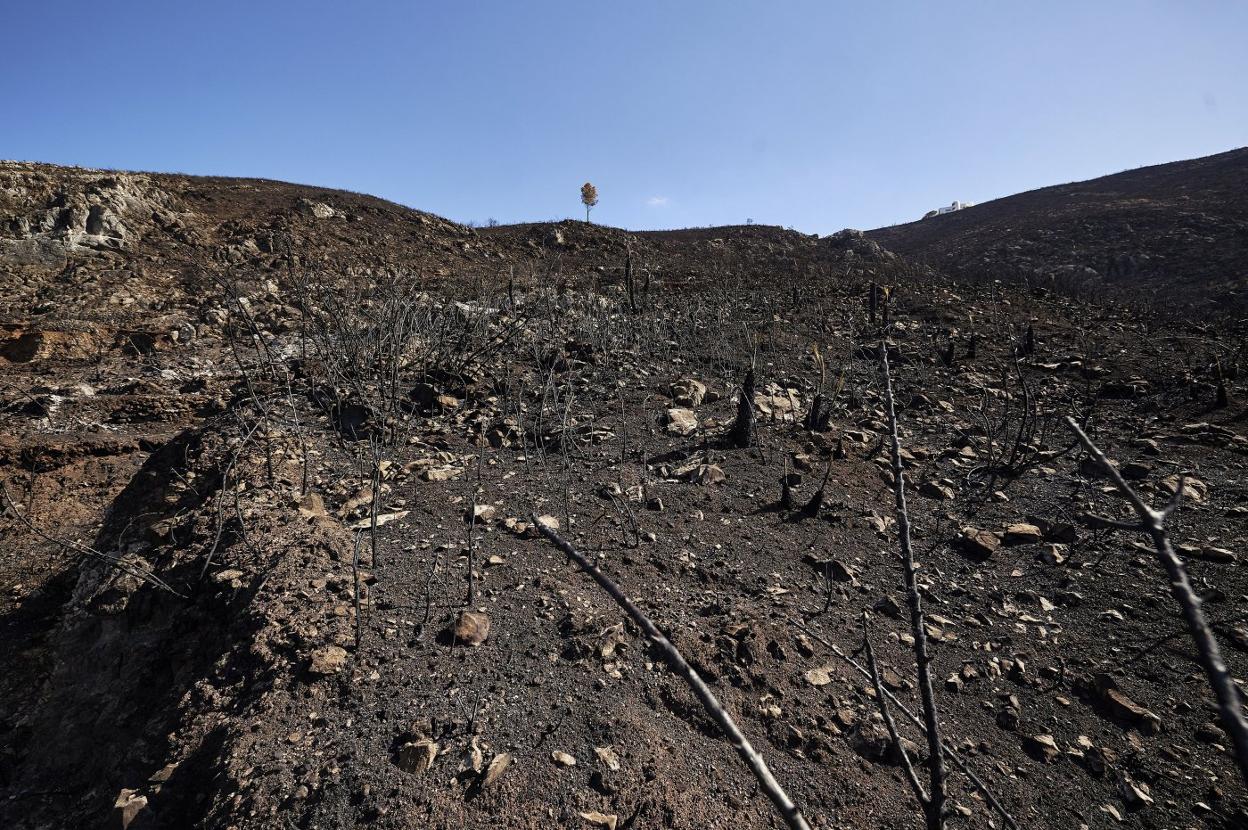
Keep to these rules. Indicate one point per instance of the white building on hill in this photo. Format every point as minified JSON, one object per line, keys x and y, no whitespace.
{"x":949,"y":209}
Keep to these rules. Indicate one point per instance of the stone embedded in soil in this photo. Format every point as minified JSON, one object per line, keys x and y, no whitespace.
{"x":328,"y":660}
{"x":1041,"y":747}
{"x":887,"y":606}
{"x":480,"y":513}
{"x":312,"y":505}
{"x":598,"y":819}
{"x":416,"y":757}
{"x":979,"y":543}
{"x":608,"y":757}
{"x":936,"y":490}
{"x":1135,"y":794}
{"x":687,"y":392}
{"x":441,"y":473}
{"x":819,"y":677}
{"x":681,"y":421}
{"x":563,"y":759}
{"x":707,"y":475}
{"x":1022,"y":534}
{"x":1124,"y":708}
{"x":1194,"y":490}
{"x":471,"y":628}
{"x":127,"y":807}
{"x":872,"y":741}
{"x":498,"y":765}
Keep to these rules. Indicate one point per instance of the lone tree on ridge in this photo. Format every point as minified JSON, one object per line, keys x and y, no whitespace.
{"x":589,"y":198}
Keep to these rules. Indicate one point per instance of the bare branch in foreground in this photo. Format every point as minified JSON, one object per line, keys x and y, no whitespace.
{"x":950,"y":752}
{"x":1153,"y":522}
{"x":903,"y":757}
{"x":788,"y":810}
{"x":933,"y":804}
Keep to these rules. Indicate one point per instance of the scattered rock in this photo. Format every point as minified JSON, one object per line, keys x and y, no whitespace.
{"x":1194,"y":490}
{"x":980,"y":544}
{"x":936,"y":490}
{"x":328,"y":660}
{"x":563,"y":759}
{"x":416,"y":757}
{"x":1124,"y":708}
{"x":471,"y":628}
{"x":1022,"y":534}
{"x":598,"y":819}
{"x":498,"y":765}
{"x":706,"y":475}
{"x":681,"y":422}
{"x":887,"y":606}
{"x":688,"y":392}
{"x":1041,"y":747}
{"x":608,"y":757}
{"x":127,"y":807}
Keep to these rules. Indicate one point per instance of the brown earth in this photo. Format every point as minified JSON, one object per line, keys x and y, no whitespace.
{"x":212,"y":416}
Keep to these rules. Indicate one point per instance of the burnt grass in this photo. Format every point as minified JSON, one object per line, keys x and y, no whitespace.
{"x":225,"y":468}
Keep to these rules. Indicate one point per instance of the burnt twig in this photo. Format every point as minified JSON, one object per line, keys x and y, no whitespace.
{"x":788,"y":810}
{"x":1153,"y":522}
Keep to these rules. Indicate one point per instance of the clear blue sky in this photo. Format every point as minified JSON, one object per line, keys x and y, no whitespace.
{"x":817,"y":115}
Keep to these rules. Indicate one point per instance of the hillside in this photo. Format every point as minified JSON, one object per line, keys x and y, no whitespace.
{"x":274,"y":458}
{"x":1172,"y":234}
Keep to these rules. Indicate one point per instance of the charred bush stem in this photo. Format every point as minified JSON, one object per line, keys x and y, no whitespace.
{"x":1153,"y":522}
{"x":784,"y":805}
{"x":934,"y":804}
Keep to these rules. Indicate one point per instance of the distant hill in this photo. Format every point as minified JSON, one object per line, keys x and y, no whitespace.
{"x":1170,"y":233}
{"x":76,"y":242}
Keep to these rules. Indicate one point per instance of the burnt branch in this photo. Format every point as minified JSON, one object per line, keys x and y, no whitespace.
{"x":1153,"y":523}
{"x":784,"y":805}
{"x":933,"y":804}
{"x":950,"y":752}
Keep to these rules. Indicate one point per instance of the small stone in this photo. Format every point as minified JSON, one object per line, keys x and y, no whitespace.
{"x":127,"y":806}
{"x":563,"y":759}
{"x":687,"y":392}
{"x":1022,"y":534}
{"x":312,"y":505}
{"x":818,"y":677}
{"x":441,"y":473}
{"x":707,"y":475}
{"x":608,"y":757}
{"x":471,"y":628}
{"x":498,"y":765}
{"x":1124,"y":708}
{"x":598,"y":819}
{"x":416,"y":757}
{"x":936,"y":490}
{"x":887,"y":606}
{"x":480,"y":513}
{"x":979,"y":543}
{"x":681,"y":421}
{"x":1041,"y":747}
{"x":328,"y":660}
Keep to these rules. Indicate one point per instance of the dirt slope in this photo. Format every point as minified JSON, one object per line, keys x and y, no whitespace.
{"x":241,"y":647}
{"x":1170,"y":234}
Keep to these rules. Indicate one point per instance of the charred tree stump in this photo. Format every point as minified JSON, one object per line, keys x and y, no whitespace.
{"x":742,"y":433}
{"x":820,"y":414}
{"x":628,"y":281}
